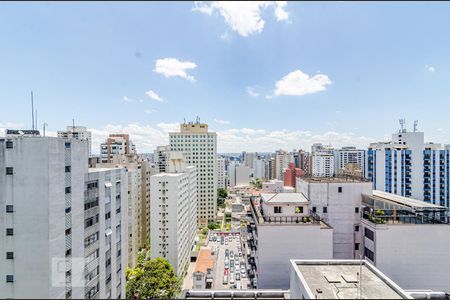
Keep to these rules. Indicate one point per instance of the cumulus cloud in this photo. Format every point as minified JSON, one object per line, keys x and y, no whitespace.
{"x":298,"y":83}
{"x":169,"y":67}
{"x":251,"y":91}
{"x":126,"y":99}
{"x":221,"y":121}
{"x":154,"y":96}
{"x":244,"y":17}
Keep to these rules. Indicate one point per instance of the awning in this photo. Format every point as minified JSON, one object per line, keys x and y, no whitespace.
{"x":108,"y":231}
{"x":108,"y":184}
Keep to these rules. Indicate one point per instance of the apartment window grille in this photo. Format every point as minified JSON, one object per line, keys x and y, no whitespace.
{"x":9,"y":255}
{"x":9,"y":208}
{"x":9,"y":171}
{"x":9,"y":278}
{"x":9,"y":144}
{"x":9,"y":231}
{"x":369,"y":234}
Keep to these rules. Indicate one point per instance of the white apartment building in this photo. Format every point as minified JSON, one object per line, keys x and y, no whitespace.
{"x":347,"y":156}
{"x":282,"y":227}
{"x":249,"y":159}
{"x":408,"y":240}
{"x":161,"y":157}
{"x":323,"y":163}
{"x":407,"y":166}
{"x":200,"y":148}
{"x":282,"y":160}
{"x":239,"y":174}
{"x":138,"y":200}
{"x":259,"y":170}
{"x":116,"y":144}
{"x":337,"y":201}
{"x":174,"y":213}
{"x":221,"y":173}
{"x":78,"y":132}
{"x":60,"y":232}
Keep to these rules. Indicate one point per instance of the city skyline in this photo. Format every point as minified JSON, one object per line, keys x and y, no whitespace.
{"x":129,"y":68}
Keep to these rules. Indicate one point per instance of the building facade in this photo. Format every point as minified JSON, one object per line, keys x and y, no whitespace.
{"x":61,"y":232}
{"x":221,"y":173}
{"x":116,"y":144}
{"x":174,"y":213}
{"x":408,"y":167}
{"x":282,"y":160}
{"x":78,"y":132}
{"x":200,"y":148}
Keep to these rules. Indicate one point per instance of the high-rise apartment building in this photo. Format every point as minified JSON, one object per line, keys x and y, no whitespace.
{"x":323,"y":163}
{"x":282,"y":160}
{"x":174,"y":213}
{"x":200,"y":148}
{"x":78,"y":132}
{"x":259,"y":170}
{"x":408,"y":167}
{"x":138,"y":200}
{"x":61,"y":226}
{"x":350,"y":157}
{"x":116,"y":144}
{"x":161,"y":157}
{"x":221,"y":173}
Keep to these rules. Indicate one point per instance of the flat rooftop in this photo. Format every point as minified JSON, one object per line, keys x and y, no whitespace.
{"x":338,"y":179}
{"x":339,"y":279}
{"x":235,"y":294}
{"x":283,"y":198}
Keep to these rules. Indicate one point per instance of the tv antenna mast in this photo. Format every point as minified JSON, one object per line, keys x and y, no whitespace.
{"x":32,"y":111}
{"x":416,"y":122}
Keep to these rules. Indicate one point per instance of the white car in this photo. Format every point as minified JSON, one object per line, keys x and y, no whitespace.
{"x":231,"y":278}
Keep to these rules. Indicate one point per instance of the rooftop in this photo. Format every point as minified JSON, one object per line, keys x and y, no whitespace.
{"x":337,"y":179}
{"x":205,"y":261}
{"x":283,"y":198}
{"x":235,"y":294}
{"x":340,"y":279}
{"x":409,"y":202}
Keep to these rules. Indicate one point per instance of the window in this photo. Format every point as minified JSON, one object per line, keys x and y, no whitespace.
{"x":340,"y":189}
{"x":356,"y":228}
{"x":368,"y":233}
{"x":68,"y":190}
{"x":9,"y":208}
{"x":9,"y":144}
{"x":325,"y":209}
{"x":9,"y":231}
{"x":314,"y":209}
{"x":68,"y":210}
{"x":68,"y":252}
{"x":9,"y":255}
{"x":299,"y":209}
{"x":9,"y":278}
{"x":68,"y":231}
{"x":277,"y":209}
{"x":107,"y":215}
{"x":67,"y":145}
{"x":9,"y":170}
{"x":356,"y":210}
{"x":68,"y":169}
{"x":369,"y":254}
{"x":198,"y":277}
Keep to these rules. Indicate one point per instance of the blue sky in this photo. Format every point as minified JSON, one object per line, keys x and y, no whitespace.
{"x":333,"y":72}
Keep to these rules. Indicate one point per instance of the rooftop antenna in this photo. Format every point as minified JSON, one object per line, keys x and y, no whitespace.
{"x":73,"y":125}
{"x":32,"y":111}
{"x":416,"y":122}
{"x":36,"y":120}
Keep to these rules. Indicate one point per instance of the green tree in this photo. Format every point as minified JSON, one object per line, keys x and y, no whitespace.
{"x":213,"y":225}
{"x":153,"y":278}
{"x":222,"y":194}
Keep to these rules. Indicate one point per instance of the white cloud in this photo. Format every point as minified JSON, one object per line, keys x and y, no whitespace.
{"x":154,"y":96}
{"x":170,"y":67}
{"x":225,"y":36}
{"x":251,"y":91}
{"x":430,"y":68}
{"x":280,"y":12}
{"x":298,"y":83}
{"x":150,"y":111}
{"x":244,"y":17}
{"x":221,"y":121}
{"x":126,"y":99}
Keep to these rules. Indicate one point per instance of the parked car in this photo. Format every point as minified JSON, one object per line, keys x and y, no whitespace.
{"x":225,"y":279}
